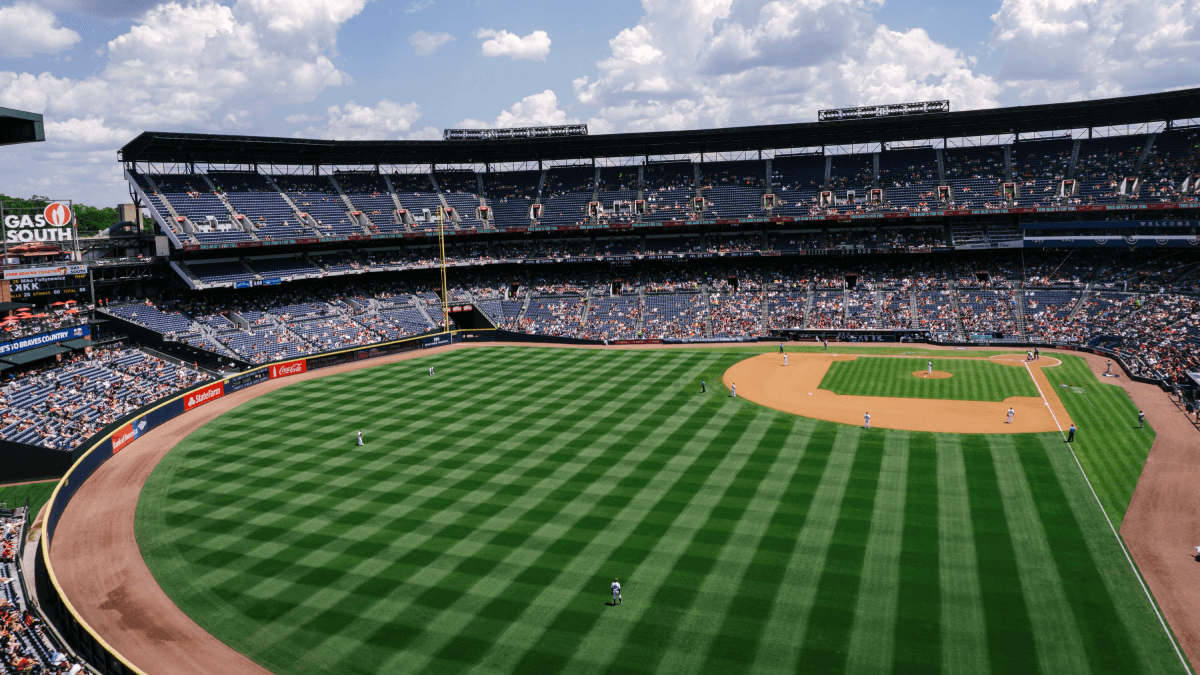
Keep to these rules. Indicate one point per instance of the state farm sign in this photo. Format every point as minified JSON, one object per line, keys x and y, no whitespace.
{"x":289,"y":368}
{"x":201,"y":396}
{"x":56,"y":222}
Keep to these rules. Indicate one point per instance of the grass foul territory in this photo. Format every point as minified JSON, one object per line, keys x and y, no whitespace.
{"x":480,"y":527}
{"x":971,"y":379}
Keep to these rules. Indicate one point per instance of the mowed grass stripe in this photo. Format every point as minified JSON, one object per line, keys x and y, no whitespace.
{"x":832,"y":618}
{"x":1059,"y":647}
{"x":1107,"y":647}
{"x":871,"y":645}
{"x":740,"y":633}
{"x":974,"y":379}
{"x":918,"y":638}
{"x":700,"y":629}
{"x":1011,"y":647}
{"x":964,"y":627}
{"x":787,"y":626}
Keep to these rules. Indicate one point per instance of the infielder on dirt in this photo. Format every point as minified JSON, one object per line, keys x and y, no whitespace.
{"x":1010,"y":416}
{"x":866,"y":420}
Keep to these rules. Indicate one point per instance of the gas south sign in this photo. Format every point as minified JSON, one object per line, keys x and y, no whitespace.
{"x":54,"y":223}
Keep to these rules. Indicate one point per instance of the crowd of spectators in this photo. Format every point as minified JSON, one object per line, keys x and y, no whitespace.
{"x":27,"y":648}
{"x":62,"y":404}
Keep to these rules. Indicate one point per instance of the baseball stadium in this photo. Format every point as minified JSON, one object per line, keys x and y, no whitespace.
{"x":903,"y":390}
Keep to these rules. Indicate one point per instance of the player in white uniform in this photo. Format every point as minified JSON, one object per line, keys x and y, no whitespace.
{"x":616,"y":589}
{"x":866,"y":420}
{"x":785,"y":359}
{"x":360,"y":437}
{"x":431,"y":371}
{"x":1011,"y":412}
{"x":929,"y":367}
{"x":733,"y":391}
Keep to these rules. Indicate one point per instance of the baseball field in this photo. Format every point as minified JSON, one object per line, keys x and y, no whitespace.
{"x":479,"y":528}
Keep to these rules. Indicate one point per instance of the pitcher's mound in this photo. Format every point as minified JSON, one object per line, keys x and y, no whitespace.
{"x":935,"y":375}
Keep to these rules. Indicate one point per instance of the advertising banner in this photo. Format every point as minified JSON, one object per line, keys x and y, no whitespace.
{"x":239,"y":382}
{"x":199,"y":397}
{"x":36,"y":272}
{"x":127,"y":434}
{"x":436,"y":341}
{"x":44,"y":339}
{"x":289,"y":368}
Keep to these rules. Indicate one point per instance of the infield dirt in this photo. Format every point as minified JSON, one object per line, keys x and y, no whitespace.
{"x":795,"y":388}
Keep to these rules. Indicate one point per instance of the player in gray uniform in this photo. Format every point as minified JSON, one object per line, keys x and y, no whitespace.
{"x":1011,"y":412}
{"x":616,"y":589}
{"x":866,"y":420}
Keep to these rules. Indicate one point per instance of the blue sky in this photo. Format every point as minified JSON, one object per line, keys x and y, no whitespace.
{"x":102,"y":71}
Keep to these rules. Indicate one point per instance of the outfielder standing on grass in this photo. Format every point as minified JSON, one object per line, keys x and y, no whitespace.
{"x":360,"y":437}
{"x":1141,"y":420}
{"x":616,"y":589}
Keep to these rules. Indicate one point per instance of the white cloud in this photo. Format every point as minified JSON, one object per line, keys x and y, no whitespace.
{"x":539,"y":109}
{"x":29,"y":29}
{"x":387,"y":120}
{"x":1057,"y":50}
{"x":195,"y":66}
{"x":425,"y":44}
{"x":418,"y":5}
{"x":709,"y":63}
{"x":532,"y":47}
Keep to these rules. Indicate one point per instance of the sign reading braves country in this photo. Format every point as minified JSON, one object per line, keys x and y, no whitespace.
{"x":289,"y":368}
{"x":127,"y":434}
{"x":55,"y":223}
{"x":199,"y":397}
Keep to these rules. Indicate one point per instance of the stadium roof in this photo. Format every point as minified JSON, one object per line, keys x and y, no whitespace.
{"x":20,"y":127}
{"x":153,"y":146}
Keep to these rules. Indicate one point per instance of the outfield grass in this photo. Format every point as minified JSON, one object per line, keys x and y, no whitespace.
{"x":1109,"y":444}
{"x":479,"y":529}
{"x":13,"y":496}
{"x":971,"y":379}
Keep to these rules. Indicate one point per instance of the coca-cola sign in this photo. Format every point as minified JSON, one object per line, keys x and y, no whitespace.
{"x":289,"y":368}
{"x":199,"y":397}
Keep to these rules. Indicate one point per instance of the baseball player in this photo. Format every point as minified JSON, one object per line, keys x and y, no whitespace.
{"x":1011,"y":412}
{"x":866,"y":420}
{"x":929,"y":367}
{"x":1109,"y":373}
{"x":732,"y":391}
{"x":431,"y":371}
{"x":1141,"y":420}
{"x":785,"y":359}
{"x":360,"y":442}
{"x":702,"y":389}
{"x":616,"y":589}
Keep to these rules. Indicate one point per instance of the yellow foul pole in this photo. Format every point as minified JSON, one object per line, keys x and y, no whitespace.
{"x":442,"y":247}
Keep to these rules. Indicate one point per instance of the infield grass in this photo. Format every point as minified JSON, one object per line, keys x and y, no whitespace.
{"x":480,"y":527}
{"x":974,"y":379}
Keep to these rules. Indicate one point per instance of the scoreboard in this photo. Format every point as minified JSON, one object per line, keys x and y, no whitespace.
{"x":48,"y":288}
